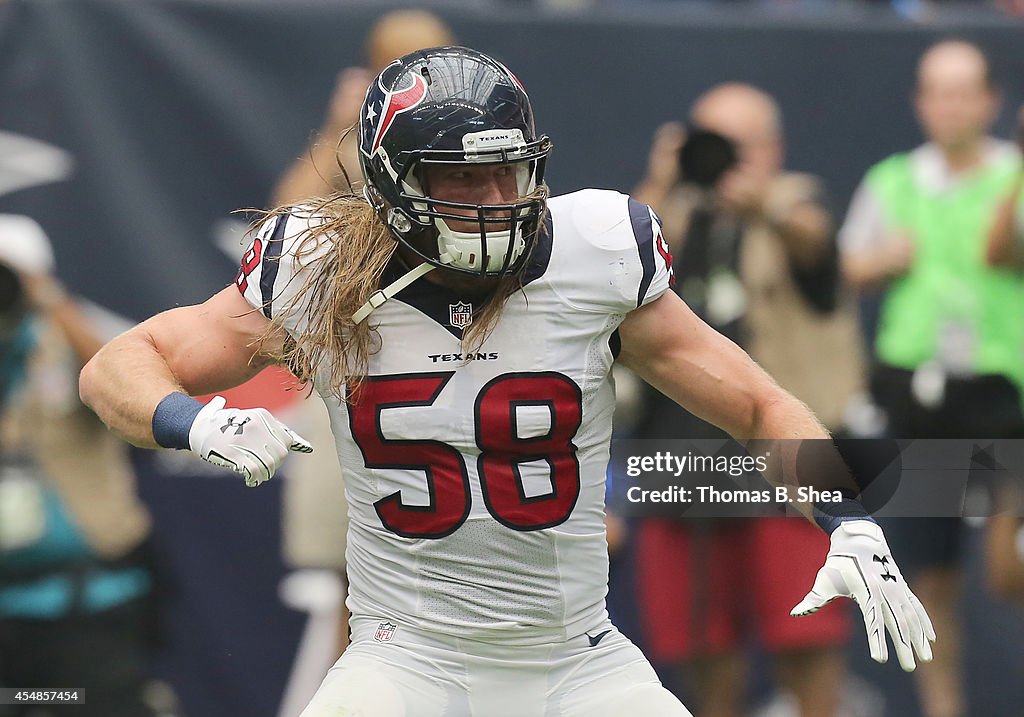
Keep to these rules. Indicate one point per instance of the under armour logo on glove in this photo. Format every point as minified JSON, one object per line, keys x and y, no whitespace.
{"x":257,"y":446}
{"x":884,"y":598}
{"x":885,"y":566}
{"x":239,"y":427}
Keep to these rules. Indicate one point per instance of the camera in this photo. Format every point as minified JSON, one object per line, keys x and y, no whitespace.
{"x":705,"y":157}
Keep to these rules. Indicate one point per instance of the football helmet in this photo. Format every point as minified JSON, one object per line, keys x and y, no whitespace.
{"x":444,"y":106}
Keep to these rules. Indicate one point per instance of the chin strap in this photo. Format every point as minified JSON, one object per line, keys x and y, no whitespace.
{"x":378,"y":298}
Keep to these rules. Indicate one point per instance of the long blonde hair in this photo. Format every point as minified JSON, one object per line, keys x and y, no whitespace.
{"x":352,"y":248}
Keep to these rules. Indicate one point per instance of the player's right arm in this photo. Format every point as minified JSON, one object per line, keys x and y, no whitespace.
{"x":141,"y":383}
{"x":194,"y":350}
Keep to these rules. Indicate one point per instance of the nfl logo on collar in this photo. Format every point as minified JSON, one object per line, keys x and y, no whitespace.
{"x":385,"y":631}
{"x":460,"y":315}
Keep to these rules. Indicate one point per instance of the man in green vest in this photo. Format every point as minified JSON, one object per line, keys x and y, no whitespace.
{"x":949,"y":350}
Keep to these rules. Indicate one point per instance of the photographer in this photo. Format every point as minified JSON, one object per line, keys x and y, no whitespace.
{"x":755,"y":257}
{"x":75,"y":581}
{"x":754,"y":245}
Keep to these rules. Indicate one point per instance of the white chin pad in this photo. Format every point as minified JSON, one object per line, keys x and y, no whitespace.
{"x":465,"y":249}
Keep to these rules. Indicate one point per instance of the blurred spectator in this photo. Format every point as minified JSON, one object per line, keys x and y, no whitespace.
{"x":76,"y":586}
{"x":755,"y":257}
{"x":319,"y":171}
{"x":948,"y":357}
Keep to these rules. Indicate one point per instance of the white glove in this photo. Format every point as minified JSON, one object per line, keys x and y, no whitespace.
{"x":859,"y":565}
{"x":248,"y":441}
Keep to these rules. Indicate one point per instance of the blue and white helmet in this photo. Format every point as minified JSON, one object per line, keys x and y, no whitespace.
{"x":443,"y":106}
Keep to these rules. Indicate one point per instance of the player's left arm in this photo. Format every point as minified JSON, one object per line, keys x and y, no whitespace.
{"x":672,"y":349}
{"x":668,"y":346}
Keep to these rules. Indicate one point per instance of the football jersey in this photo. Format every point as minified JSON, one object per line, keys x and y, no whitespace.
{"x":476,"y":480}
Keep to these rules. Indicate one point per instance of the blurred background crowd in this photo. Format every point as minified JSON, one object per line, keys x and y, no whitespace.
{"x":841,"y":187}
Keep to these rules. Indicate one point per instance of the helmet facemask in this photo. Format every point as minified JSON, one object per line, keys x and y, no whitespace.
{"x":453,"y":106}
{"x":485,"y":240}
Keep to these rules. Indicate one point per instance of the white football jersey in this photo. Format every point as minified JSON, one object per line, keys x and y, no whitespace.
{"x":476,"y":481}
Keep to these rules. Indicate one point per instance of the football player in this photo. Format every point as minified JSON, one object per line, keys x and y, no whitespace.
{"x":461,"y":327}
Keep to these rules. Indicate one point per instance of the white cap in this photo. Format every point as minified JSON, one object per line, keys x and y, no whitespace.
{"x":24,"y":245}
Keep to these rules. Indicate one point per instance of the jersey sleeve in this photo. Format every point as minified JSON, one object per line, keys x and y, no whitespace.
{"x":657,"y":276}
{"x":616,"y":258}
{"x":272,"y":278}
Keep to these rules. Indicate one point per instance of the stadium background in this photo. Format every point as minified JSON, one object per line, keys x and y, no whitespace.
{"x":176,"y":112}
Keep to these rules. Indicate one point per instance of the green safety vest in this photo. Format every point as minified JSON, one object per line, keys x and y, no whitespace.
{"x":949,"y":282}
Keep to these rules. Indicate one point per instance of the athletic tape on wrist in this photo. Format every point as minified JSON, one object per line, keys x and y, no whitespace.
{"x":830,"y":516}
{"x":173,"y":419}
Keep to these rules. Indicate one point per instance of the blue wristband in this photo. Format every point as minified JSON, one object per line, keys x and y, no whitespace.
{"x":173,"y":419}
{"x":830,"y":516}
